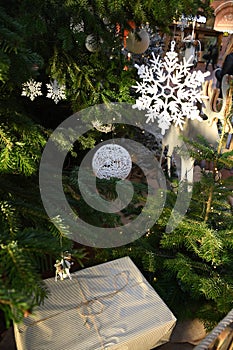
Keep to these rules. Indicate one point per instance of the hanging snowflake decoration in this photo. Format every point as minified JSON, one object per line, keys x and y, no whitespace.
{"x":56,"y":92}
{"x":31,"y":89}
{"x":169,"y":91}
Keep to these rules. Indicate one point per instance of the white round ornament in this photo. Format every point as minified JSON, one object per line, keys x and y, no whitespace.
{"x":133,"y":44}
{"x":111,"y":160}
{"x":91,"y":43}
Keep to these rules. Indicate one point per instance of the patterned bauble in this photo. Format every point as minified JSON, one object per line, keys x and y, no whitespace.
{"x":92,"y":43}
{"x":110,"y":161}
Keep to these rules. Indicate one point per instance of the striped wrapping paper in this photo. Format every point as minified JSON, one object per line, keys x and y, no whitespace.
{"x":110,"y":306}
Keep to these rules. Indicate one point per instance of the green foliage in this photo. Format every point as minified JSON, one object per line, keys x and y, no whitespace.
{"x":87,"y":142}
{"x":21,"y":285}
{"x":21,"y":142}
{"x":17,"y":60}
{"x":105,"y":189}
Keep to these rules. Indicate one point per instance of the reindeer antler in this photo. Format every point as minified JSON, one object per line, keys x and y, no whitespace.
{"x":210,"y":97}
{"x":210,"y":102}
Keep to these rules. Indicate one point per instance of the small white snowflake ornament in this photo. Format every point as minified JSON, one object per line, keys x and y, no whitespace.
{"x":31,"y":89}
{"x":56,"y":92}
{"x":168,"y":91}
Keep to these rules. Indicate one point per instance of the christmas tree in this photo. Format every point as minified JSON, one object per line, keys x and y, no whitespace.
{"x":49,"y":69}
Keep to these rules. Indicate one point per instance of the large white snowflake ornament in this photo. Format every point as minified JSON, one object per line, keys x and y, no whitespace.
{"x":168,"y":91}
{"x":31,"y":89}
{"x":56,"y":92}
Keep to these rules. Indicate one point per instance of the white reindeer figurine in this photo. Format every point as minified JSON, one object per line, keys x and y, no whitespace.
{"x":63,"y":267}
{"x":193,"y":128}
{"x":210,"y":108}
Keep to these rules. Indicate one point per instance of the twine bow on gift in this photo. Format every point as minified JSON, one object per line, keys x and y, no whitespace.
{"x":89,"y":309}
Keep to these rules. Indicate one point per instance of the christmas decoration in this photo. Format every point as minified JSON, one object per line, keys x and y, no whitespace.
{"x":169,"y":91}
{"x":137,"y":41}
{"x":92,"y":43}
{"x":31,"y":89}
{"x":208,"y":128}
{"x":102,"y":127}
{"x":156,"y":44}
{"x":111,"y":160}
{"x":63,"y":267}
{"x":56,"y":92}
{"x":77,"y":27}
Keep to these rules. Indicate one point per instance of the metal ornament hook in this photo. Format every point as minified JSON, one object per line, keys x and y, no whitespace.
{"x":173,"y":44}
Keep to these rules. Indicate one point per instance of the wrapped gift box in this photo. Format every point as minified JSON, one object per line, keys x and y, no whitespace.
{"x":110,"y":306}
